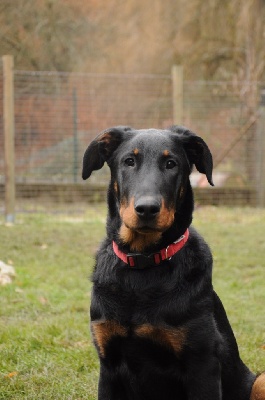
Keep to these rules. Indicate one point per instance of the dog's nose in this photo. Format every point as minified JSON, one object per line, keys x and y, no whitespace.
{"x":147,"y":207}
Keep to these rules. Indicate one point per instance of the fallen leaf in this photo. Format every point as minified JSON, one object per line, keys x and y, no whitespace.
{"x":11,"y":374}
{"x":43,"y":300}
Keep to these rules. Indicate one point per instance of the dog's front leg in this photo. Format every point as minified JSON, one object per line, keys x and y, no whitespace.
{"x":204,"y":379}
{"x":105,"y":390}
{"x":104,"y":387}
{"x":110,"y":386}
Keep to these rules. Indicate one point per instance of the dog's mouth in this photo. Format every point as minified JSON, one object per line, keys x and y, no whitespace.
{"x":139,"y":238}
{"x":140,"y":231}
{"x":145,"y":229}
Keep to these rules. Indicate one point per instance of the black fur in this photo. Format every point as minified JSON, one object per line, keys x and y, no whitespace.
{"x":161,"y":332}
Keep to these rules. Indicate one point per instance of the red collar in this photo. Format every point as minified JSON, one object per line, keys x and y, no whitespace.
{"x":139,"y":261}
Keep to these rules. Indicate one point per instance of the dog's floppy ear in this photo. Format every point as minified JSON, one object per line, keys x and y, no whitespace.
{"x":197,"y":151}
{"x":101,"y":148}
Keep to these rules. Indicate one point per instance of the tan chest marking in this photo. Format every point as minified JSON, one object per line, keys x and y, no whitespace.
{"x":172,"y":338}
{"x":103,"y":331}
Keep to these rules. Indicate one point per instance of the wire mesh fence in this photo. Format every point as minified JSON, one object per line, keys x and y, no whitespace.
{"x":58,"y":114}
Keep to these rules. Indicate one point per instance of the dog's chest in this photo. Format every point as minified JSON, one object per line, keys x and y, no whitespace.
{"x":133,"y":305}
{"x":131,"y":319}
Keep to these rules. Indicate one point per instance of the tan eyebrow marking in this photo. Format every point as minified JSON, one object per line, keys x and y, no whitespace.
{"x":165,"y":153}
{"x":135,"y":152}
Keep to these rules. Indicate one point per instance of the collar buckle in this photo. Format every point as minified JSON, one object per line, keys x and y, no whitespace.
{"x":167,"y":258}
{"x":179,"y":239}
{"x":141,"y":261}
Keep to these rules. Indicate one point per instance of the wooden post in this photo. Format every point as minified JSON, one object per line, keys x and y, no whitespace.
{"x":9,"y":127}
{"x":75,"y":137}
{"x":177,"y":83}
{"x":260,"y":153}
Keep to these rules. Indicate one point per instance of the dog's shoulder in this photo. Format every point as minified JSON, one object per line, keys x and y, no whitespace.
{"x":196,"y":254}
{"x":105,"y":262}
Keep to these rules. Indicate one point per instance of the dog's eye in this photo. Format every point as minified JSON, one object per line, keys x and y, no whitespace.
{"x":171,"y":164}
{"x":129,"y":162}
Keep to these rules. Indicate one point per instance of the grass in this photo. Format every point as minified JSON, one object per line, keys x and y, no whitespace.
{"x":45,"y":344}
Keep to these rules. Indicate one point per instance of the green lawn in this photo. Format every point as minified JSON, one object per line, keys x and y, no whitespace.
{"x":45,"y":344}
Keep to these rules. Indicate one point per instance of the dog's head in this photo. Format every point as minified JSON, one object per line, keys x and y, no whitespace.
{"x":149,"y":176}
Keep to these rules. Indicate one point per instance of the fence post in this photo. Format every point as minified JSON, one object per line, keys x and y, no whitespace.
{"x":75,"y":137}
{"x":9,"y":128}
{"x":177,"y":89}
{"x":260,"y":185}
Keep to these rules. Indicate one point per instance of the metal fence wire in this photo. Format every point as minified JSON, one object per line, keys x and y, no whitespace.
{"x":58,"y":114}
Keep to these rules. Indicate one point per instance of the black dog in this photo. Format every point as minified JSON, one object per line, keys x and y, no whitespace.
{"x":160,"y":330}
